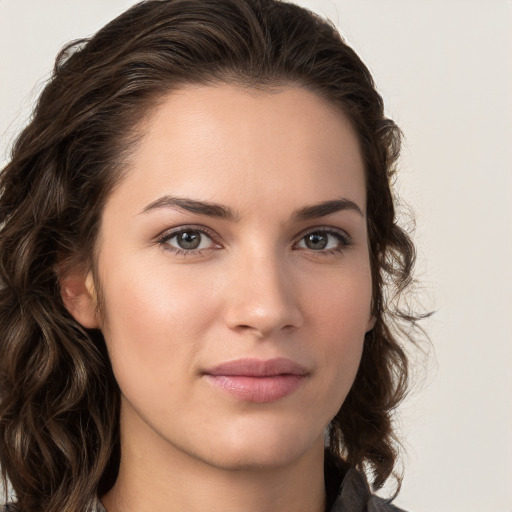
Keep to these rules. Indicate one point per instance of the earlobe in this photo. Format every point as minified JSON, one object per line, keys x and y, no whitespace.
{"x":79,"y":296}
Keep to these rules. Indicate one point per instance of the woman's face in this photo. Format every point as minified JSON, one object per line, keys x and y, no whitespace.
{"x":234,"y":269}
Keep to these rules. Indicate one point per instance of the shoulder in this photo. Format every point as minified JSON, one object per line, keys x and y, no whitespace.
{"x":352,"y":492}
{"x":377,"y":504}
{"x":355,"y":495}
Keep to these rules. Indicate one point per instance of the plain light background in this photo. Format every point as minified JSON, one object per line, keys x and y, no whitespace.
{"x":445,"y":71}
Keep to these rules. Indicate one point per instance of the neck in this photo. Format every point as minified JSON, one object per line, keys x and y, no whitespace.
{"x":168,"y":480}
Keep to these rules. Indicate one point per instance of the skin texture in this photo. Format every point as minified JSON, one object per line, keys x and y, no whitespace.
{"x":254,"y":288}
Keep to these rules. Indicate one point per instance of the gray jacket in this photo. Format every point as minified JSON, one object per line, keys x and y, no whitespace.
{"x":348,"y":491}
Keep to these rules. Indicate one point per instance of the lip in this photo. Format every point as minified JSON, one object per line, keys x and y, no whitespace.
{"x":254,"y":380}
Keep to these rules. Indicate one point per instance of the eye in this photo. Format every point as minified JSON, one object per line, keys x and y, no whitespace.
{"x":324,"y":240}
{"x":187,"y":240}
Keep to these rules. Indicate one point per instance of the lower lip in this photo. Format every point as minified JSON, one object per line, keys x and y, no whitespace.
{"x":256,"y":389}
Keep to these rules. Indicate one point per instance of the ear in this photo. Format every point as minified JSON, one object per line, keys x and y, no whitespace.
{"x":79,"y":296}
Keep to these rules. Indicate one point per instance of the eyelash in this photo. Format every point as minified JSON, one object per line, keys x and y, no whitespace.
{"x":343,"y":238}
{"x":165,"y":237}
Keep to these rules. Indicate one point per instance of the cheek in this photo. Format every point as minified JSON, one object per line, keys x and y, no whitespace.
{"x":342,"y":302}
{"x":342,"y":317}
{"x":154,"y":320}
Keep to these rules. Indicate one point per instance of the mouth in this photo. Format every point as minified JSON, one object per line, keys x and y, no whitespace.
{"x":257,"y":381}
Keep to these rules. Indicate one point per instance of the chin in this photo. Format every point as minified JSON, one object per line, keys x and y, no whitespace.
{"x":262,"y":450}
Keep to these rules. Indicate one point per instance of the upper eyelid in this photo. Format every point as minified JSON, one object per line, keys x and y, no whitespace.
{"x":325,"y":229}
{"x":170,"y":232}
{"x":164,"y":238}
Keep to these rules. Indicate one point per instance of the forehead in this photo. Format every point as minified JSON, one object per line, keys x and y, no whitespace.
{"x":225,"y":143}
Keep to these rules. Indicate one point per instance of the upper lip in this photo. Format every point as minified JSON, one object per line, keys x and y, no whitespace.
{"x":250,"y":367}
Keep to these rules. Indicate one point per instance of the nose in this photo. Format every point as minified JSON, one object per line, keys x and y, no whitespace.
{"x":263,"y":297}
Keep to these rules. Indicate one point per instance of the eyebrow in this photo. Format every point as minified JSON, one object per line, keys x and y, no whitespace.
{"x":211,"y":209}
{"x":192,"y":205}
{"x":327,"y":208}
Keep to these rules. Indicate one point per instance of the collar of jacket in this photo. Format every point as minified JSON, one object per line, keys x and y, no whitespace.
{"x":348,"y":490}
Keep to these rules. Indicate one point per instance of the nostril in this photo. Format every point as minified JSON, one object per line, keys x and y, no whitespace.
{"x":262,"y":331}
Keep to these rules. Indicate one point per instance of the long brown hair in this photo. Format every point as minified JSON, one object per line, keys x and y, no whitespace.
{"x":59,"y":402}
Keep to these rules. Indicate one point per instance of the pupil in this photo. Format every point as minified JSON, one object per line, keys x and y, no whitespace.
{"x":316,"y":241}
{"x":189,"y":240}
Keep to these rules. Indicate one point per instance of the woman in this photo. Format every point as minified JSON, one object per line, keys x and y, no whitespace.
{"x":200,"y":269}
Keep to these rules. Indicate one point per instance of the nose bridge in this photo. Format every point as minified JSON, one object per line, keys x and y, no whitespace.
{"x":263,"y":298}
